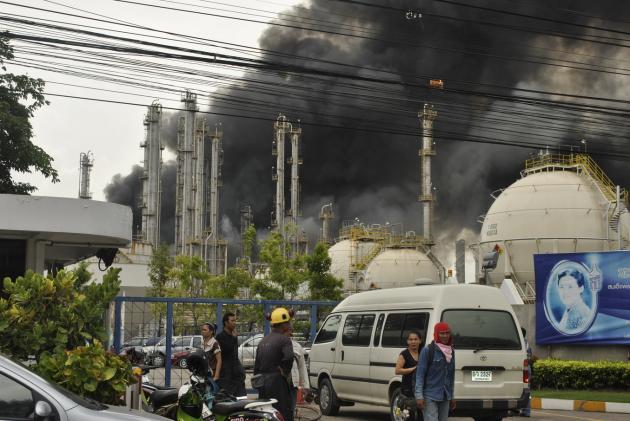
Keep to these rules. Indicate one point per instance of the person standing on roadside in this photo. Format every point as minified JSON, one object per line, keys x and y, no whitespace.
{"x":274,"y":360}
{"x":232,"y":376}
{"x":212,"y":349}
{"x":406,"y":366}
{"x":435,"y":376}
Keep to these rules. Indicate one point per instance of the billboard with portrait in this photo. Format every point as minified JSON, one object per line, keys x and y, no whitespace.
{"x":583,"y":298}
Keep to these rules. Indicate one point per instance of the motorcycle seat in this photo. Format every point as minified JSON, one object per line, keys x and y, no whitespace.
{"x":161,"y":398}
{"x":158,"y":387}
{"x":228,"y":407}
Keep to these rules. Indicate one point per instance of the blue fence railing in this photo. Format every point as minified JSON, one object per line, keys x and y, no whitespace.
{"x":123,"y":316}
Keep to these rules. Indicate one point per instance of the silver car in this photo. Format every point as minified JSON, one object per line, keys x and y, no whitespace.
{"x":156,"y":355}
{"x":25,"y":395}
{"x":247,"y":350}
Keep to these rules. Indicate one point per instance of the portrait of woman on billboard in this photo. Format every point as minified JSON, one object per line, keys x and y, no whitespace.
{"x":570,"y":302}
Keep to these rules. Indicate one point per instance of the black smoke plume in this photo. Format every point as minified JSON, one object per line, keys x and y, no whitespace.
{"x":374,"y":176}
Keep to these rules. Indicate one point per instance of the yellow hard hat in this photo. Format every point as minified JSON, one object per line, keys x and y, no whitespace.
{"x":280,"y":315}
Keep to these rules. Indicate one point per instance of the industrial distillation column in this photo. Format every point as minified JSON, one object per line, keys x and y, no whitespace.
{"x":326,"y":215}
{"x":198,"y":188}
{"x":427,"y":115}
{"x":86,"y":162}
{"x":184,"y":208}
{"x":214,"y":255}
{"x":151,"y":184}
{"x":295,"y":162}
{"x":281,"y":125}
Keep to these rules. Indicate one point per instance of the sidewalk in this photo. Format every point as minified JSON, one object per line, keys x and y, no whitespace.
{"x":574,"y":405}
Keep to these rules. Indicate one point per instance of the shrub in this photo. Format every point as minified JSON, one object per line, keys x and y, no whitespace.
{"x":52,"y":314}
{"x":89,"y":371}
{"x":60,"y":321}
{"x":565,"y":374}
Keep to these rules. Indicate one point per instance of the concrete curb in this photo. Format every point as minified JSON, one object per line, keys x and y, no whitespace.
{"x":577,"y":405}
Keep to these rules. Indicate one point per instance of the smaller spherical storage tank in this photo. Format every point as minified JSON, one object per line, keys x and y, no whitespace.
{"x":395,"y":268}
{"x":341,"y":256}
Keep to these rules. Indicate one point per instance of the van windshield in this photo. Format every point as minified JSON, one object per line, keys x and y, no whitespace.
{"x":482,"y":329}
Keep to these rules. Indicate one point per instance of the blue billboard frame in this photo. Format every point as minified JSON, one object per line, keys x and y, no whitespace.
{"x":583,"y":298}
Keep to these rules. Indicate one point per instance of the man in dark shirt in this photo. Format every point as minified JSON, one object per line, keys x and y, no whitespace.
{"x":232,"y":373}
{"x":274,"y":359}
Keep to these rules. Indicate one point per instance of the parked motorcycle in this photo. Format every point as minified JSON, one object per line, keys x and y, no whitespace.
{"x":196,"y":400}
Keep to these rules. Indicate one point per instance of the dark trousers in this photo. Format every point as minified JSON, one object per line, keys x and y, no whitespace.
{"x":277,"y":387}
{"x":233,"y":379}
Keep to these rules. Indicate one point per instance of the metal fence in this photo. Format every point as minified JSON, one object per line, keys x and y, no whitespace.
{"x":162,"y":330}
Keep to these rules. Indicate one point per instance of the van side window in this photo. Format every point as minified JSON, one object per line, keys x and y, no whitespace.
{"x":328,"y":332}
{"x":379,"y":329}
{"x":398,"y":326}
{"x":358,"y":329}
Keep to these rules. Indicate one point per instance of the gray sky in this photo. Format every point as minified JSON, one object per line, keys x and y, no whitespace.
{"x":113,"y":132}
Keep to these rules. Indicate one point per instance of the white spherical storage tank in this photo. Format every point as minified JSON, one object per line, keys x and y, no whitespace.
{"x":343,"y":254}
{"x":395,"y":268}
{"x":551,"y":211}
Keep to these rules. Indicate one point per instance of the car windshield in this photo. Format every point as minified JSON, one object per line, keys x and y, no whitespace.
{"x":80,"y":400}
{"x":482,"y":329}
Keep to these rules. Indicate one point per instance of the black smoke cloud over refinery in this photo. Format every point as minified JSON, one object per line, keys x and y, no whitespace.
{"x":354,"y":153}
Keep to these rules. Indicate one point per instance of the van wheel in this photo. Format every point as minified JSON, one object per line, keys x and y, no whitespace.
{"x":395,"y":403}
{"x":328,"y":401}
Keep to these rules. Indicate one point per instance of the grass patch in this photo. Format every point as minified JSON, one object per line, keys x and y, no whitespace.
{"x":584,"y":395}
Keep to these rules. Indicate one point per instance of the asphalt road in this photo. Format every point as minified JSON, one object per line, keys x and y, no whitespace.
{"x":362,"y":412}
{"x":377,"y":413}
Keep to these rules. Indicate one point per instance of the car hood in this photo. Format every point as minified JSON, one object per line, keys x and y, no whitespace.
{"x":121,"y":413}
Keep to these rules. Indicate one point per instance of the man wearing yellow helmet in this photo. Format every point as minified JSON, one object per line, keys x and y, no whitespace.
{"x":274,"y":359}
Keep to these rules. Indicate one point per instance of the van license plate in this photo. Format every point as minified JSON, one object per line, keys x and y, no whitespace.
{"x":481,"y":376}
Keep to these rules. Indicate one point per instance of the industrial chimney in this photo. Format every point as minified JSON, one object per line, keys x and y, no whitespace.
{"x":326,"y":215}
{"x":215,"y":248}
{"x":86,"y":162}
{"x":427,"y":115}
{"x":184,"y":194}
{"x":281,"y":126}
{"x":151,"y":182}
{"x":295,"y":161}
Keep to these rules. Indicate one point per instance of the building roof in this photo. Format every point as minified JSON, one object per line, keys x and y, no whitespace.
{"x":69,"y":229}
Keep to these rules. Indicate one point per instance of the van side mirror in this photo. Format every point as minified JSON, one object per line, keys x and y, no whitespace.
{"x":43,"y":409}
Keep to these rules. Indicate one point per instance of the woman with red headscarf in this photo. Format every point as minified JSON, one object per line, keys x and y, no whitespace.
{"x":435,"y":375}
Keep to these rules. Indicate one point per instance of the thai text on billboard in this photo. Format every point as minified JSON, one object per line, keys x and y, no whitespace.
{"x":583,"y":298}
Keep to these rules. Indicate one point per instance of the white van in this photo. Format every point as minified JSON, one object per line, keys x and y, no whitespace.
{"x":354,"y":353}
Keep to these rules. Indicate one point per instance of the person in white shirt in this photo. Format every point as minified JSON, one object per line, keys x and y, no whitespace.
{"x":299,"y":374}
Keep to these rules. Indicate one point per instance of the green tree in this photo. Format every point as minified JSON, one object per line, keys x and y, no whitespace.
{"x":322,"y":284}
{"x":20,"y":96}
{"x":281,"y":276}
{"x":189,"y":278}
{"x":228,"y":285}
{"x":249,"y":242}
{"x":159,"y":266}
